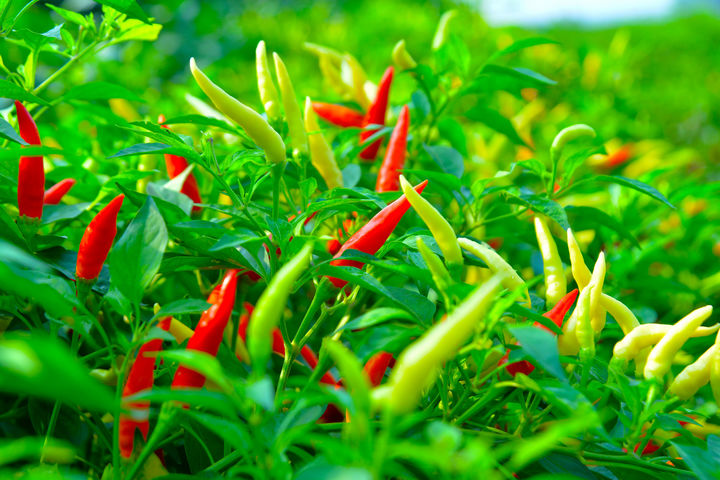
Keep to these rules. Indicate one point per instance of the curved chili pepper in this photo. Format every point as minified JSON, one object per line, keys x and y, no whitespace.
{"x":555,"y":282}
{"x":266,"y":87}
{"x":175,"y":165}
{"x":209,"y":332}
{"x":695,"y":375}
{"x":510,"y":278}
{"x":338,"y":114}
{"x":647,"y":335}
{"x":54,"y":194}
{"x":402,"y":58}
{"x":293,"y":116}
{"x":31,"y":172}
{"x":376,"y":366}
{"x":321,"y":155}
{"x":443,"y":29}
{"x":138,"y":380}
{"x":388,"y":179}
{"x":376,"y":116}
{"x":257,"y":128}
{"x":374,"y":233}
{"x":97,"y":241}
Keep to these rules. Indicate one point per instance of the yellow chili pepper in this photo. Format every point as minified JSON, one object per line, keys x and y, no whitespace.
{"x":661,"y":356}
{"x":257,"y":128}
{"x":568,"y":341}
{"x":296,"y":131}
{"x":648,"y":334}
{"x":354,"y":76}
{"x":555,"y":283}
{"x":321,"y":155}
{"x":583,"y":329}
{"x":510,"y":278}
{"x":597,"y":312}
{"x":417,"y":365}
{"x":443,"y":29}
{"x":580,"y":271}
{"x":179,"y":330}
{"x":715,"y":376}
{"x":439,"y":227}
{"x":401,"y":58}
{"x":266,"y":87}
{"x":695,"y":375}
{"x":439,"y":273}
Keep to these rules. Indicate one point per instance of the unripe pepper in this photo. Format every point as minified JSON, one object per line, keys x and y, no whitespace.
{"x":647,"y":335}
{"x":597,"y":313}
{"x":569,"y":134}
{"x":321,"y":155}
{"x":695,"y":375}
{"x":439,"y":273}
{"x":270,"y":306}
{"x":31,"y":171}
{"x":209,"y":332}
{"x":54,"y":194}
{"x":257,"y":128}
{"x":175,"y":165}
{"x":376,"y":116}
{"x":338,"y":114}
{"x":509,"y":277}
{"x":355,"y":78}
{"x":374,"y":233}
{"x":583,"y":330}
{"x":97,"y":241}
{"x":443,"y":29}
{"x":388,"y":179}
{"x":555,"y":283}
{"x":417,"y":365}
{"x":296,"y":131}
{"x":715,"y":376}
{"x":402,"y":59}
{"x":266,"y":87}
{"x":138,"y":380}
{"x":439,"y":227}
{"x":661,"y":356}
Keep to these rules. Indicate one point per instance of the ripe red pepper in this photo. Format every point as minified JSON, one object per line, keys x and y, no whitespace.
{"x":54,"y":194}
{"x":139,"y":379}
{"x":388,"y":179}
{"x":209,"y":332}
{"x":619,"y":157}
{"x":278,"y":345}
{"x":376,"y":366}
{"x":376,"y":115}
{"x":97,"y":240}
{"x":338,"y":114}
{"x":175,"y":165}
{"x":557,"y":315}
{"x":31,"y":172}
{"x":374,"y":233}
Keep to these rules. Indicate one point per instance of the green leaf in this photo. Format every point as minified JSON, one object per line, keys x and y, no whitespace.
{"x":544,"y":205}
{"x":541,"y":346}
{"x":452,"y":131}
{"x":375,"y":317}
{"x":182,"y":307}
{"x":522,"y":44}
{"x":635,"y":185}
{"x":15,"y":92}
{"x":137,"y":255}
{"x":50,"y":450}
{"x":9,"y":133}
{"x":128,"y":7}
{"x":100,"y":91}
{"x":144,"y":148}
{"x":447,"y":158}
{"x":527,"y":77}
{"x":201,"y":362}
{"x":41,"y":366}
{"x":494,"y":120}
{"x":703,"y":463}
{"x":69,"y":15}
{"x":589,"y":217}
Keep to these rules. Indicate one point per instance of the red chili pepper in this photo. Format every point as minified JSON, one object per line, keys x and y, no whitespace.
{"x":389,"y":175}
{"x":209,"y":332}
{"x":557,"y":315}
{"x":54,"y":194}
{"x":376,"y":115}
{"x":377,"y":365}
{"x":175,"y":165}
{"x":97,"y":240}
{"x":374,"y":233}
{"x":338,"y":114}
{"x":139,"y":379}
{"x":619,"y":157}
{"x":31,"y":172}
{"x":278,"y":345}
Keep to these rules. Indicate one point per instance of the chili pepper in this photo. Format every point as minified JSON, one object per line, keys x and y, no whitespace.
{"x":175,"y":165}
{"x":333,"y":76}
{"x":568,"y":341}
{"x":179,"y":330}
{"x":439,"y":227}
{"x":439,"y":273}
{"x":139,"y":379}
{"x":568,"y":134}
{"x":321,"y":155}
{"x":97,"y":241}
{"x":254,"y":125}
{"x":597,"y":313}
{"x":715,"y":376}
{"x":376,"y":366}
{"x":31,"y":172}
{"x":509,"y":277}
{"x":618,"y":157}
{"x":583,"y":330}
{"x":338,"y":114}
{"x":376,"y":116}
{"x":54,"y":194}
{"x":661,"y":356}
{"x":388,"y":176}
{"x":402,"y":59}
{"x":266,"y":87}
{"x":271,"y":305}
{"x":209,"y":332}
{"x":296,"y":131}
{"x":648,"y":334}
{"x":417,"y":365}
{"x":443,"y":29}
{"x":374,"y":233}
{"x":555,"y":283}
{"x":354,"y":76}
{"x":695,"y":375}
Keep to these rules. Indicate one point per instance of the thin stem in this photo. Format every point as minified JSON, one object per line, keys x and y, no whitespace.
{"x":277,"y":172}
{"x":65,"y":66}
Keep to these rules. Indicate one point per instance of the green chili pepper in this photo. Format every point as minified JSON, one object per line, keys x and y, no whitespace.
{"x":296,"y":130}
{"x":438,"y":225}
{"x":583,"y":330}
{"x":270,"y":307}
{"x":266,"y":87}
{"x":555,"y":282}
{"x":402,"y":59}
{"x":439,"y":273}
{"x":569,"y":134}
{"x":443,"y":29}
{"x":321,"y":155}
{"x":417,"y":365}
{"x":661,"y":356}
{"x":510,"y":278}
